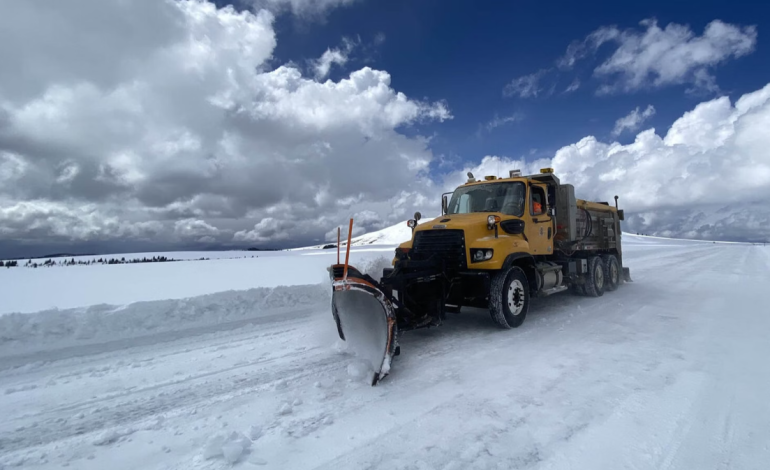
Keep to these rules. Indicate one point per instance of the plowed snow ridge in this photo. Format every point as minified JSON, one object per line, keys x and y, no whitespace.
{"x":51,"y":329}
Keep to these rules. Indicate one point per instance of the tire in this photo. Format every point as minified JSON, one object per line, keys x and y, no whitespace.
{"x":595,"y":279}
{"x":509,"y":298}
{"x":612,"y":271}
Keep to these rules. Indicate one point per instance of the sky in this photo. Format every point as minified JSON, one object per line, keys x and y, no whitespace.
{"x":187,"y":124}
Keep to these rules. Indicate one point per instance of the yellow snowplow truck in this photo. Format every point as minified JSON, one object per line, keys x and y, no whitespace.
{"x":499,"y":243}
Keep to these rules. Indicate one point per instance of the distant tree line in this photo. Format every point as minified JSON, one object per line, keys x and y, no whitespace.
{"x":72,"y":262}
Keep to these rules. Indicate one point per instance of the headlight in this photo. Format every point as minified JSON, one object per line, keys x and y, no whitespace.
{"x":480,"y":254}
{"x":492,"y":221}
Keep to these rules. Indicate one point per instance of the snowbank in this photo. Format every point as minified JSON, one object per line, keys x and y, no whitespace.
{"x":32,"y":290}
{"x":393,"y":235}
{"x":50,"y":329}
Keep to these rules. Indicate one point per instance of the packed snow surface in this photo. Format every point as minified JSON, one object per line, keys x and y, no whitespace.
{"x":239,"y":366}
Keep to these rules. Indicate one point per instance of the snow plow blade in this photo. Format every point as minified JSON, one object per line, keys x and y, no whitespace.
{"x":365,"y":318}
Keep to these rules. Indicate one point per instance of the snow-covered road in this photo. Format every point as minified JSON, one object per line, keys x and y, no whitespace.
{"x":668,"y":372}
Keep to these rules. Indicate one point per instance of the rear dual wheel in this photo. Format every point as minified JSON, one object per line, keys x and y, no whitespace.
{"x":603,"y":275}
{"x":595,"y":278}
{"x":612,"y":271}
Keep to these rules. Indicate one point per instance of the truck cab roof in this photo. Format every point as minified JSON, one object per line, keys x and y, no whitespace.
{"x":545,"y":176}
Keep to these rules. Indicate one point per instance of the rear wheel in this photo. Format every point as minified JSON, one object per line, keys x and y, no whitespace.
{"x":612,"y":271}
{"x":509,"y":298}
{"x":595,"y":278}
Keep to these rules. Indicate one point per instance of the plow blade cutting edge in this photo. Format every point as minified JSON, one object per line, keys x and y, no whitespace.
{"x":365,"y":319}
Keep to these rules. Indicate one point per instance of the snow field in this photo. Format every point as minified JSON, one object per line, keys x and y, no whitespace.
{"x":666,"y":372}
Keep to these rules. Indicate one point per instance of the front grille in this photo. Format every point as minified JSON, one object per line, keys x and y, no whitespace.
{"x":447,"y":245}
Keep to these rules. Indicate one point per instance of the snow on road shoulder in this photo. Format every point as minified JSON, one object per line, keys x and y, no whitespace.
{"x":24,"y":333}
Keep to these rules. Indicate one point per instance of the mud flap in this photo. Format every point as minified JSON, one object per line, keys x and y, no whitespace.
{"x":627,"y":275}
{"x":365,"y":319}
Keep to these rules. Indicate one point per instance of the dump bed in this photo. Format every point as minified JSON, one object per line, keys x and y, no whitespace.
{"x":584,"y":225}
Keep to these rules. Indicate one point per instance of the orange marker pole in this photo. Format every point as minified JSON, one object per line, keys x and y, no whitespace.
{"x":347,"y":252}
{"x":338,"y":245}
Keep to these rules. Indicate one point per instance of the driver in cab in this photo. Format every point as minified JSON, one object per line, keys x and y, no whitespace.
{"x":537,"y":207}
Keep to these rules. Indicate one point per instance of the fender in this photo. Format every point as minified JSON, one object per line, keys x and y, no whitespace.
{"x":530,"y":260}
{"x":511,"y":258}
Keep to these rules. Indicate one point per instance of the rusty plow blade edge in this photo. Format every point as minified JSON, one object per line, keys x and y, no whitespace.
{"x":365,"y":320}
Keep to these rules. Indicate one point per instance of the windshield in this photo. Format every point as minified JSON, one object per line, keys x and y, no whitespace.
{"x":507,"y":198}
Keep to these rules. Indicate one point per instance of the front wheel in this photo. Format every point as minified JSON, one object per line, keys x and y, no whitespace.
{"x":509,"y":298}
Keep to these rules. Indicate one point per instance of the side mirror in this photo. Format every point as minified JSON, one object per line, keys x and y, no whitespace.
{"x":550,"y":212}
{"x":621,"y":215}
{"x":417,"y":216}
{"x":445,"y":202}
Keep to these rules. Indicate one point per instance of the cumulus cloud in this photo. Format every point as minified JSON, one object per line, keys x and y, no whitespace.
{"x":633,"y":120}
{"x":707,"y":177}
{"x":657,"y":57}
{"x":188,"y":133}
{"x":186,"y":130}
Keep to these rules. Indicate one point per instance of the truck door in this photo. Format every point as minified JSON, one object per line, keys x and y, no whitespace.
{"x":539,"y":229}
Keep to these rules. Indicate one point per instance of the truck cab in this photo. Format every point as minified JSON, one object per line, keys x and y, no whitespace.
{"x":497,"y":217}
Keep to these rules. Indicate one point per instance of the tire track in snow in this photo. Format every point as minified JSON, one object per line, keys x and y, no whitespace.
{"x":131,"y":406}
